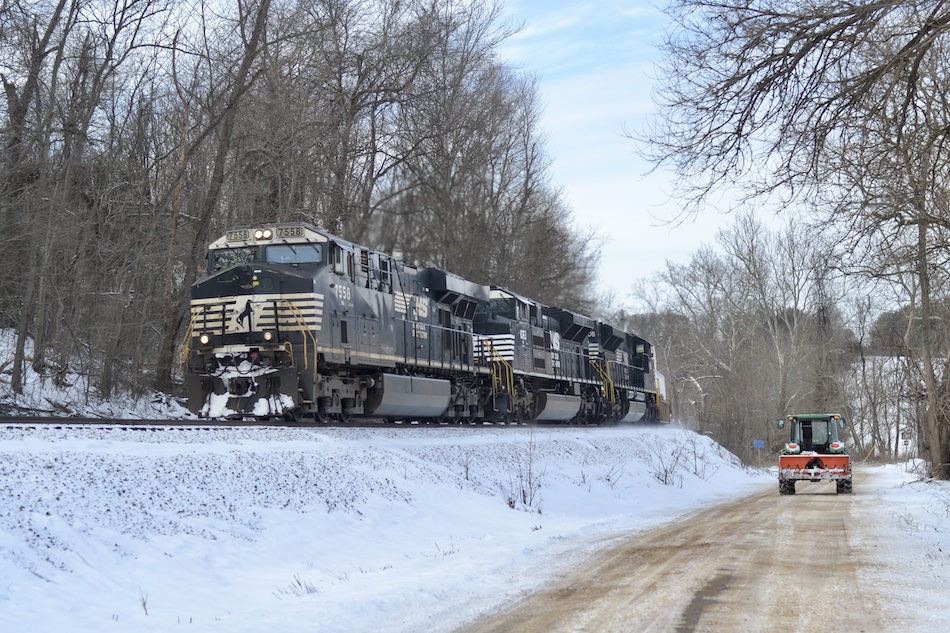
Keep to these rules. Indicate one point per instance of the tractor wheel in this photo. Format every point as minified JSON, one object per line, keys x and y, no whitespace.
{"x":786,"y":487}
{"x":843,"y":486}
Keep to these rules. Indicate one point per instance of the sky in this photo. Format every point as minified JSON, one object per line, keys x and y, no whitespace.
{"x":595,"y":65}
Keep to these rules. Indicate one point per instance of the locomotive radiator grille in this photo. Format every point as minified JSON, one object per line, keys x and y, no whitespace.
{"x":231,"y":315}
{"x":487,"y":347}
{"x":283,"y":314}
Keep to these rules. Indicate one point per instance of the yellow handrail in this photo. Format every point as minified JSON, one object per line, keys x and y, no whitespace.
{"x":186,"y":344}
{"x":305,"y":331}
{"x":501,"y":371}
{"x":608,"y":381}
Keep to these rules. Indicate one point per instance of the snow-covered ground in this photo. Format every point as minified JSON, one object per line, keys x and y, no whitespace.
{"x":908,"y":527}
{"x":71,"y":394}
{"x":329,"y":530}
{"x":351,"y":529}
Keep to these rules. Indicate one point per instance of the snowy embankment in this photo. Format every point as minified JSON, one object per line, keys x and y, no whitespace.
{"x":71,"y":394}
{"x":360,"y":530}
{"x":392,"y":529}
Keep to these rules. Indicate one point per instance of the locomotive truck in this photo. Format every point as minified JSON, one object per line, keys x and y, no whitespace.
{"x":291,"y":321}
{"x":814,"y":452}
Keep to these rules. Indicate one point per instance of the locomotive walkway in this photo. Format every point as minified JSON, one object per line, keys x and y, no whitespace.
{"x":765,"y":563}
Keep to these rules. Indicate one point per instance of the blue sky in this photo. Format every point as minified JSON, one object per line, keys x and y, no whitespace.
{"x":595,"y":61}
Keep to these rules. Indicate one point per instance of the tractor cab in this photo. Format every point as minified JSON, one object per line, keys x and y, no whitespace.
{"x":814,"y":452}
{"x":814,"y":433}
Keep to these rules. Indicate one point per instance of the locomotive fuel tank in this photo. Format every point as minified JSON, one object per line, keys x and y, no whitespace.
{"x":409,"y":397}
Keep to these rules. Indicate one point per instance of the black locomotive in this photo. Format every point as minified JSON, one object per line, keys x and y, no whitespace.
{"x":291,"y":321}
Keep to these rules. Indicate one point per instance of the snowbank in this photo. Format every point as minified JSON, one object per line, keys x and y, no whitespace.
{"x":323,"y":530}
{"x":909,"y":533}
{"x":343,"y":530}
{"x":70,"y":393}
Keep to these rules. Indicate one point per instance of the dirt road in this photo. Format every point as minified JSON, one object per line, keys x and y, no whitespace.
{"x":765,"y":563}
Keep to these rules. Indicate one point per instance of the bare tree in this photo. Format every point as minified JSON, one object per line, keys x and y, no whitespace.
{"x":134,"y":130}
{"x":58,"y":190}
{"x":479,"y":201}
{"x":33,"y":36}
{"x":811,"y":91}
{"x":226,"y":95}
{"x":338,"y":75}
{"x":739,"y":332}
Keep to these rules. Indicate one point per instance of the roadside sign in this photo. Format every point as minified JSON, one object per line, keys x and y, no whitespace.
{"x":758,"y":444}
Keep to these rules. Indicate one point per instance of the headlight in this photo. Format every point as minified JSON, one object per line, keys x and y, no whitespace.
{"x":792,"y":448}
{"x":268,"y":336}
{"x":263,"y":234}
{"x":204,"y":339}
{"x":836,"y":447}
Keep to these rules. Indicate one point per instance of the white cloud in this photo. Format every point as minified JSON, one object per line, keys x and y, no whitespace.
{"x":595,"y":68}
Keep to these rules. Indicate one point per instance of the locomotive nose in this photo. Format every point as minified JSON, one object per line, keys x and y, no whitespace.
{"x":245,"y":277}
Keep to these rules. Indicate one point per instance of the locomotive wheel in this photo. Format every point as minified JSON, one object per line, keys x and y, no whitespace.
{"x":320,"y":412}
{"x":346,"y":409}
{"x":443,"y":420}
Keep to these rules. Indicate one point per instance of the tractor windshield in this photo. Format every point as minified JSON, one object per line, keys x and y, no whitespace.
{"x":812,"y":435}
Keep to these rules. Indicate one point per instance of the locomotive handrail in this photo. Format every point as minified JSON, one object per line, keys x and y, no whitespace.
{"x":502,"y":373}
{"x":305,"y":331}
{"x":186,"y":347}
{"x":607,"y":380}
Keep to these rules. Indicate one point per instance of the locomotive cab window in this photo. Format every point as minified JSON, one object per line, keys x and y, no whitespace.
{"x":501,"y":307}
{"x":385,"y":278}
{"x":294,"y":254}
{"x":341,"y":261}
{"x":225,"y":258}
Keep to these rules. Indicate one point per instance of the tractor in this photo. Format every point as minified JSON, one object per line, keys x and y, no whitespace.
{"x":813,"y":452}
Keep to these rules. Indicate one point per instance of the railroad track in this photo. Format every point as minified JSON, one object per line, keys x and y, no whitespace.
{"x":27,"y":423}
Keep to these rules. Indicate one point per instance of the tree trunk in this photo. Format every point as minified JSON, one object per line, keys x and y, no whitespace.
{"x":933,"y":388}
{"x":212,"y":196}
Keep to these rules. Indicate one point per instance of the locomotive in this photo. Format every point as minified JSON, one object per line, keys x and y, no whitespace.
{"x":293,"y":322}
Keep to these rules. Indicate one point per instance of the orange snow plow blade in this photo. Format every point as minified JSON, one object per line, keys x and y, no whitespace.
{"x":815,"y":467}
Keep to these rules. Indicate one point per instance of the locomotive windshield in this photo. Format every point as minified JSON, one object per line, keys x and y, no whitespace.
{"x":224,"y":258}
{"x":294,"y":254}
